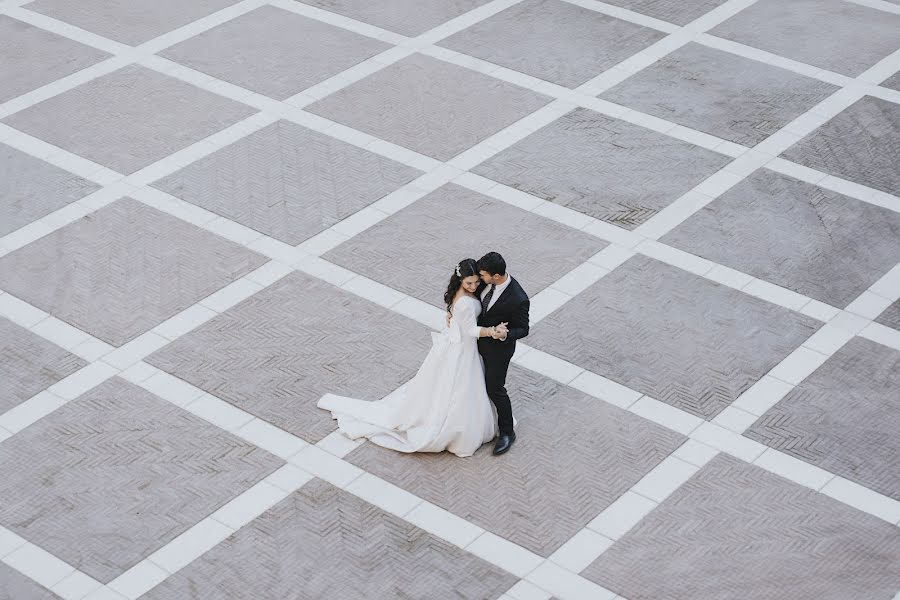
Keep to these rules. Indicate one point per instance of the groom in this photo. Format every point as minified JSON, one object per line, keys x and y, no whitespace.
{"x":504,"y":305}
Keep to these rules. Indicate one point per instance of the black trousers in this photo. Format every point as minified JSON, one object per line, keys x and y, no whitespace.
{"x":495,"y":367}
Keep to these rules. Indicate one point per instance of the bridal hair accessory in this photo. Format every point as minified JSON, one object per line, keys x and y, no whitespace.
{"x":458,"y":274}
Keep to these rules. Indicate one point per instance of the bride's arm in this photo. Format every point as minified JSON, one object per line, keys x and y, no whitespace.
{"x":467,"y":321}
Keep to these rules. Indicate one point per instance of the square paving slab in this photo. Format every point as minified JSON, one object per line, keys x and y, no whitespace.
{"x":274,"y":52}
{"x":129,"y":119}
{"x":603,"y":167}
{"x":287,"y":181}
{"x":553,"y":40}
{"x":430,"y":106}
{"x":29,"y":364}
{"x":407,"y":17}
{"x":861,"y":144}
{"x":31,"y":57}
{"x":454,"y":223}
{"x":123,"y":270}
{"x":118,"y":473}
{"x":735,"y":531}
{"x":891,"y":316}
{"x":127,"y":21}
{"x":323,"y":542}
{"x":276,"y":353}
{"x":575,"y":455}
{"x":31,"y":189}
{"x":844,"y":417}
{"x":813,"y":241}
{"x":680,"y":12}
{"x":672,"y":335}
{"x":725,"y":95}
{"x":840,"y":36}
{"x":15,"y":586}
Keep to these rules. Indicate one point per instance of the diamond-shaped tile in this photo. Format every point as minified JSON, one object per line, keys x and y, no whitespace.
{"x":680,"y":12}
{"x":831,"y":34}
{"x":892,"y":82}
{"x":454,"y":223}
{"x":31,"y":57}
{"x":603,"y":167}
{"x":538,"y":496}
{"x":722,"y":94}
{"x":287,"y":181}
{"x":861,"y":144}
{"x":322,"y":542}
{"x":116,"y":474}
{"x":430,"y":106}
{"x":891,"y":316}
{"x":31,"y":189}
{"x":29,"y":364}
{"x":274,"y":52}
{"x":408,"y":17}
{"x":794,"y":234}
{"x":122,"y":270}
{"x":553,"y":40}
{"x":129,"y":118}
{"x":672,"y":335}
{"x":15,"y":586}
{"x":127,"y":21}
{"x":844,"y":417}
{"x":278,"y":352}
{"x":736,"y":531}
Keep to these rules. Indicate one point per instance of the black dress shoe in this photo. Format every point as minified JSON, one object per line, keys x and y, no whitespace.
{"x":503,"y":443}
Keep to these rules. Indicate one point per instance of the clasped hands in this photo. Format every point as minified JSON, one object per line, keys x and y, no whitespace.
{"x":498,"y":332}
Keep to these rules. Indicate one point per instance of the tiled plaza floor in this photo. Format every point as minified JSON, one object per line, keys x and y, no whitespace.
{"x":213,"y":212}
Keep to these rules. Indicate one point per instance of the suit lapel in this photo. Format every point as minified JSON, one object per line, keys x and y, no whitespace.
{"x":503,"y":295}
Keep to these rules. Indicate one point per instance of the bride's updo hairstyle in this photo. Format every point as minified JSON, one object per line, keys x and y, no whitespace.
{"x":466,"y":268}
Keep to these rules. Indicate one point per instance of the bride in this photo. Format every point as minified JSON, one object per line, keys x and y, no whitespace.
{"x":445,"y":406}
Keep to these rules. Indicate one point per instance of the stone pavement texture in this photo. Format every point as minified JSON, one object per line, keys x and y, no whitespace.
{"x":214,"y":212}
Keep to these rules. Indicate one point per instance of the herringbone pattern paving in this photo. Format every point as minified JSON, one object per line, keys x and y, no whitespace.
{"x":322,"y":542}
{"x":118,"y":473}
{"x":674,"y":11}
{"x":605,"y":168}
{"x":580,"y":456}
{"x":454,"y":223}
{"x":735,"y":532}
{"x":891,"y":316}
{"x":277,"y":353}
{"x":408,"y":17}
{"x":676,"y":337}
{"x":844,"y":417}
{"x":15,"y":586}
{"x":122,"y":270}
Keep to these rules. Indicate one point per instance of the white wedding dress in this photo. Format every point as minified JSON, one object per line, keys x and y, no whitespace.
{"x":444,"y":407}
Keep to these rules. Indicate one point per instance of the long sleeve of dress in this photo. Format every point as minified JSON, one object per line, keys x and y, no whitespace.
{"x":465,"y":321}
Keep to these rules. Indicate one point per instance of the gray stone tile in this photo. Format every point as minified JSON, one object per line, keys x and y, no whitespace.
{"x":538,"y":495}
{"x":322,"y":542}
{"x":129,"y":118}
{"x":274,"y":52}
{"x":276,"y":353}
{"x":126,"y":21}
{"x":861,"y":144}
{"x":813,"y":241}
{"x":122,"y":270}
{"x":737,"y":531}
{"x":287,"y":181}
{"x":892,"y":82}
{"x":603,"y":167}
{"x":680,"y":12}
{"x":672,"y":335}
{"x":15,"y":586}
{"x":891,"y":316}
{"x":430,"y":106}
{"x":844,"y":417}
{"x":725,"y":95}
{"x":831,"y":34}
{"x":31,"y":57}
{"x":553,"y":40}
{"x":454,"y":223}
{"x":31,"y":189}
{"x":29,"y":364}
{"x":408,"y":17}
{"x":118,"y":473}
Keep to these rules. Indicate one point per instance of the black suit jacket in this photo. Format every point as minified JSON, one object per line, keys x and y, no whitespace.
{"x":511,"y":308}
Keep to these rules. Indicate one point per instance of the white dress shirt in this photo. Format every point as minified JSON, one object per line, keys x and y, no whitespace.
{"x":498,"y":290}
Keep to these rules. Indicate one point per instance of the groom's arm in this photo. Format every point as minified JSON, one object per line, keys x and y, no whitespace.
{"x":518,"y":323}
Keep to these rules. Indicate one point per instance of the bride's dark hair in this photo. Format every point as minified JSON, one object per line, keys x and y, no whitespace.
{"x":466,"y":268}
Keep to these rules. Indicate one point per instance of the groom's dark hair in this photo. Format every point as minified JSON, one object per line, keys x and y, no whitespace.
{"x":493,"y":263}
